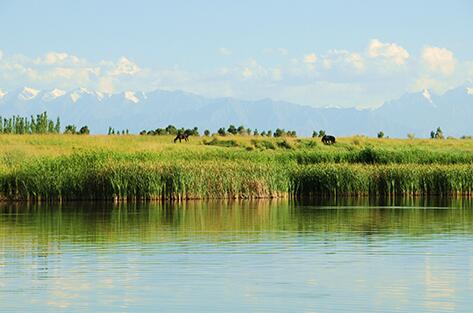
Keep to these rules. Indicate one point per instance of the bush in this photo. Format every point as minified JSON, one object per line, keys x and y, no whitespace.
{"x":70,"y":129}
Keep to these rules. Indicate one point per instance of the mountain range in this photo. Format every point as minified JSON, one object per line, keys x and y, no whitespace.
{"x":416,"y":113}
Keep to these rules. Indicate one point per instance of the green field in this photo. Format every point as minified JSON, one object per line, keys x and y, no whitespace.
{"x":132,"y":167}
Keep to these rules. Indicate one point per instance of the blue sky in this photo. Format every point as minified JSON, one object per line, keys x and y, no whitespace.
{"x":322,"y":53}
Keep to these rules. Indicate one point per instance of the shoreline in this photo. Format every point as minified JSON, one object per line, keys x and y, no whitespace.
{"x":149,"y":168}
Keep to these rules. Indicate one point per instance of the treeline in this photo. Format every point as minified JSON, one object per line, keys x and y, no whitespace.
{"x":112,"y":131}
{"x":171,"y":130}
{"x":241,"y":130}
{"x":33,"y":125}
{"x":231,"y":130}
{"x":39,"y":124}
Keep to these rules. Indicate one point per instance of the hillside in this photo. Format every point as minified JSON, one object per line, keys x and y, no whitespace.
{"x":417,"y":113}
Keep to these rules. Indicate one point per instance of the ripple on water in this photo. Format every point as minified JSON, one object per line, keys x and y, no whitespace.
{"x":236,"y":256}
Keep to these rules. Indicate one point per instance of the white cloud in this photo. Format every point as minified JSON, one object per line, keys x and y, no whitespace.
{"x":1,"y":55}
{"x":469,"y":90}
{"x":389,"y":51}
{"x":106,"y":85}
{"x":344,"y":59}
{"x":125,"y":67}
{"x":439,"y":60}
{"x":53,"y":58}
{"x":59,"y":58}
{"x":337,"y":77}
{"x":247,"y":72}
{"x":327,"y":64}
{"x":277,"y":51}
{"x":310,"y":58}
{"x":276,"y":74}
{"x":224,"y":51}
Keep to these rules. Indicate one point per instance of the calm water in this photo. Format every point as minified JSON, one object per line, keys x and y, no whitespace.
{"x":350,"y":256}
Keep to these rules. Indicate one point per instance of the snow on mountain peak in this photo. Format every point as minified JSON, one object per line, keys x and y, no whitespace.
{"x":2,"y":93}
{"x":131,"y":96}
{"x":101,"y":95}
{"x":53,"y":94}
{"x":28,"y":93}
{"x":76,"y":94}
{"x":426,"y":94}
{"x":469,"y":90}
{"x":85,"y":90}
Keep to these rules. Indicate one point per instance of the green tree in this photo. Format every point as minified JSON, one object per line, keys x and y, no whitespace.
{"x":279,"y":132}
{"x":171,"y":130}
{"x":57,"y":127}
{"x":206,"y":132}
{"x":439,"y":133}
{"x":70,"y":129}
{"x":315,"y":134}
{"x":50,"y":127}
{"x":381,"y":134}
{"x":321,"y":133}
{"x":221,"y":131}
{"x":232,"y":130}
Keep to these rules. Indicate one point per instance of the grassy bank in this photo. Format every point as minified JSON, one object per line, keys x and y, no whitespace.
{"x":59,"y":167}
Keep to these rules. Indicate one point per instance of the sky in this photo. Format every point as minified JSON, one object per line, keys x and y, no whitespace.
{"x":319,"y":53}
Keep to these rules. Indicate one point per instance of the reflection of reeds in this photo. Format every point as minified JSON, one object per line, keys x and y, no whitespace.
{"x":42,"y":224}
{"x":53,"y":167}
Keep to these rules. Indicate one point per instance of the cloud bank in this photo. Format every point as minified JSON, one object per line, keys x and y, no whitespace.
{"x":336,"y":77}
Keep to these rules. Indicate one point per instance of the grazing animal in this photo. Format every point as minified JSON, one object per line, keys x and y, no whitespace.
{"x":180,"y":137}
{"x":328,"y":140}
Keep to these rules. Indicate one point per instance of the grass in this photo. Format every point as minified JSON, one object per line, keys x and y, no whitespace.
{"x":68,"y":167}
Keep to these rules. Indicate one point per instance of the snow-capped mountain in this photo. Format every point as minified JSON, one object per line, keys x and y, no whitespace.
{"x":53,"y":94}
{"x":417,"y":113}
{"x":28,"y":93}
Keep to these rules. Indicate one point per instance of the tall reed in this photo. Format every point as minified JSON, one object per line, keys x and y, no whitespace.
{"x":141,"y":176}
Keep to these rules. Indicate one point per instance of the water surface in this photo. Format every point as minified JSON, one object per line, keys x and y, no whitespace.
{"x":249,"y":256}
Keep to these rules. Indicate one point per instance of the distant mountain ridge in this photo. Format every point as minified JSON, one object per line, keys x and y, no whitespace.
{"x":417,"y":113}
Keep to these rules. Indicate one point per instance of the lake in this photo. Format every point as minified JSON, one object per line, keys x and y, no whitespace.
{"x":344,"y":255}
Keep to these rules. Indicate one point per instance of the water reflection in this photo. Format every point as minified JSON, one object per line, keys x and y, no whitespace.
{"x":322,"y":255}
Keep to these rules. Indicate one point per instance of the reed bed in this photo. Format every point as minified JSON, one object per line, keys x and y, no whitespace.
{"x":112,"y":175}
{"x":61,"y":167}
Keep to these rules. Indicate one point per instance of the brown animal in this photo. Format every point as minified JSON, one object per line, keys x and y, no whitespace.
{"x":180,"y":137}
{"x":328,"y":139}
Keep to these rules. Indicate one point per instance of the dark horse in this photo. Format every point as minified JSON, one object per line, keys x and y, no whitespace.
{"x":328,"y":140}
{"x":184,"y":136}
